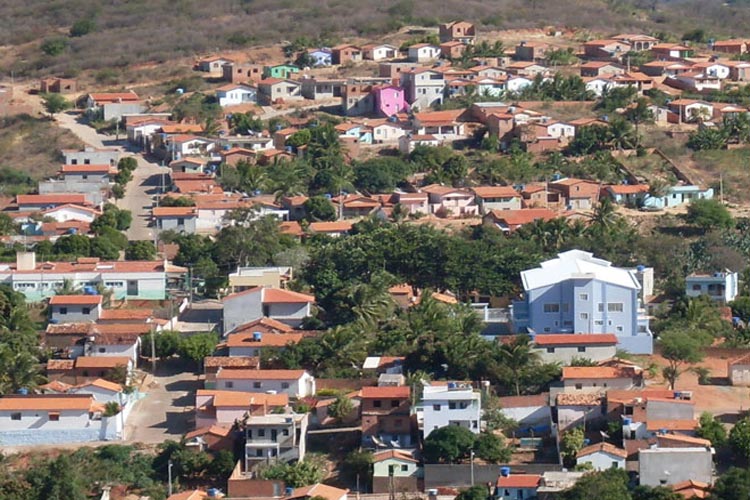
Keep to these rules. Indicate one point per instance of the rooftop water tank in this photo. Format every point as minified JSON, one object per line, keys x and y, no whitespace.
{"x":505,"y":471}
{"x":257,"y":336}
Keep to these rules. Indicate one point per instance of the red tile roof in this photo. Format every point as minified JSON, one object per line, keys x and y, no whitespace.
{"x":527,"y":481}
{"x":76,"y":300}
{"x":672,"y":425}
{"x":101,"y":361}
{"x":46,"y":402}
{"x":266,"y":340}
{"x":597,"y":372}
{"x":397,"y":392}
{"x":496,"y":192}
{"x":237,"y":374}
{"x":174,"y":212}
{"x":575,"y":339}
{"x":103,"y":97}
{"x":126,"y":314}
{"x":74,"y":169}
{"x":50,"y":199}
{"x":603,"y":447}
{"x":523,"y":216}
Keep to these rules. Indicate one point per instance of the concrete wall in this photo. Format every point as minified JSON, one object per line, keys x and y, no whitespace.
{"x":188,"y":224}
{"x":74,"y":313}
{"x":435,"y":418}
{"x":291,"y":314}
{"x":682,"y":464}
{"x":565,"y":354}
{"x":459,"y":475}
{"x":91,"y":157}
{"x":242,"y":309}
{"x":602,"y":461}
{"x":529,"y":415}
{"x":669,"y":410}
{"x":303,"y":387}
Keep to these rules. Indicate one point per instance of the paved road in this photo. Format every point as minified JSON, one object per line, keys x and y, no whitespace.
{"x":166,"y":411}
{"x":147,"y":178}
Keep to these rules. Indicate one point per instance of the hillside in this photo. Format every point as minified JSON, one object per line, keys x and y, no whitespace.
{"x":125,"y":32}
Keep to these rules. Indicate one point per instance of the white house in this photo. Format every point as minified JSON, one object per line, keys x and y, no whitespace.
{"x":282,"y":305}
{"x":234,"y":94}
{"x":563,"y":348}
{"x":217,"y":407}
{"x":295,"y":383}
{"x":602,"y":456}
{"x":517,"y":83}
{"x":75,"y":308}
{"x":516,"y":486}
{"x":720,"y":286}
{"x":64,"y":213}
{"x":50,"y":419}
{"x":407,"y":143}
{"x":451,"y":404}
{"x":397,"y":464}
{"x":601,"y":378}
{"x":738,"y":370}
{"x":529,"y":411}
{"x":423,"y":52}
{"x":379,"y":52}
{"x":103,"y":391}
{"x":387,"y":132}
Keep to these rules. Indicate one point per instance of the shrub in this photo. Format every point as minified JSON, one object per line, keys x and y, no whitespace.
{"x":54,"y":46}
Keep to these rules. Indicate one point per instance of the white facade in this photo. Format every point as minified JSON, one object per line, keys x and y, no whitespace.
{"x":240,"y":94}
{"x":387,"y":133}
{"x":65,"y":213}
{"x":294,"y":383}
{"x":423,"y":53}
{"x":721,"y":286}
{"x":602,"y":460}
{"x":452,"y":404}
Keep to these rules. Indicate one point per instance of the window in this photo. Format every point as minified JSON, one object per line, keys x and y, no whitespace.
{"x":452,"y":405}
{"x":615,"y":465}
{"x":395,"y":403}
{"x":377,"y":403}
{"x":583,"y":296}
{"x":102,"y":349}
{"x":547,"y":329}
{"x":584,"y":315}
{"x":228,"y":385}
{"x":256,"y":385}
{"x":474,"y":424}
{"x":579,"y":387}
{"x":550,"y":350}
{"x":53,"y":417}
{"x":565,"y":307}
{"x":599,"y":322}
{"x":581,"y":349}
{"x":259,"y":453}
{"x":615,"y":307}
{"x":85,"y":177}
{"x":404,"y":468}
{"x":696,"y":288}
{"x":285,"y":432}
{"x":600,"y":307}
{"x":261,"y":433}
{"x":285,"y":385}
{"x":551,"y":308}
{"x":63,"y":310}
{"x":436,"y":407}
{"x":619,"y":328}
{"x":15,"y":416}
{"x":86,"y":310}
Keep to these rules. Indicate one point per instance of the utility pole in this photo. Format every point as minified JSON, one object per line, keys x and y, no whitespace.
{"x":472,"y":467}
{"x":169,"y":475}
{"x":153,"y":352}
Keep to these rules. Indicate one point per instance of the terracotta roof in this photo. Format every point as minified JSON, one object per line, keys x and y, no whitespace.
{"x":71,"y":169}
{"x":270,"y":324}
{"x":122,"y":328}
{"x":174,"y":212}
{"x":50,"y":199}
{"x":575,"y":339}
{"x":216,"y":430}
{"x":46,"y":402}
{"x":266,"y":339}
{"x":104,"y":384}
{"x":82,"y":265}
{"x":101,"y":361}
{"x":101,"y":97}
{"x":60,"y":364}
{"x":331,"y":227}
{"x":231,"y":362}
{"x":232,"y":374}
{"x":523,"y":216}
{"x":56,"y":386}
{"x":69,"y":329}
{"x":496,"y":192}
{"x":628,"y":188}
{"x":394,"y":455}
{"x":76,"y":300}
{"x":72,"y":206}
{"x":444,"y":298}
{"x":126,"y":314}
{"x":527,"y":481}
{"x":292,"y":228}
{"x":679,"y":438}
{"x":597,"y":372}
{"x":692,"y":489}
{"x":189,"y":495}
{"x":397,"y":392}
{"x":578,"y":399}
{"x":604,"y":448}
{"x":524,"y":401}
{"x":439,"y":189}
{"x":318,"y":490}
{"x":672,"y":425}
{"x":182,"y":128}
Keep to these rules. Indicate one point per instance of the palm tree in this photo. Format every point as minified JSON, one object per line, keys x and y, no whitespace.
{"x":370,"y":303}
{"x":399,"y":213}
{"x":604,"y":217}
{"x":517,"y":356}
{"x":18,"y":370}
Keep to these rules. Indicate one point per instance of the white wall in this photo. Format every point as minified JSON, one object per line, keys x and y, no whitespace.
{"x":602,"y":461}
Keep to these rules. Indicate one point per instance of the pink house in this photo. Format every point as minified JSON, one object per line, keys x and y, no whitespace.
{"x":214,"y":407}
{"x":389,"y":100}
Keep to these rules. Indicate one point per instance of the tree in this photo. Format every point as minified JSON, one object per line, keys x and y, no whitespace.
{"x":319,"y":208}
{"x":19,"y":369}
{"x":611,"y":484}
{"x":518,"y":356}
{"x":82,"y":27}
{"x":476,"y":492}
{"x":491,"y":448}
{"x":54,"y":46}
{"x":707,"y":138}
{"x":739,"y":438}
{"x":221,"y":466}
{"x":708,"y":213}
{"x":57,"y":480}
{"x":55,"y":103}
{"x":166,"y":343}
{"x":712,"y":429}
{"x":295,"y":475}
{"x":340,"y":408}
{"x":570,"y":444}
{"x":678,"y":347}
{"x":140,"y":250}
{"x":655,"y":493}
{"x":358,"y":464}
{"x":448,"y":444}
{"x":197,"y":347}
{"x":245,"y":123}
{"x":104,"y":248}
{"x":734,"y":484}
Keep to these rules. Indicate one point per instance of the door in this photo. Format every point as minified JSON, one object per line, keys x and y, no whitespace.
{"x":132,"y":287}
{"x":274,"y":435}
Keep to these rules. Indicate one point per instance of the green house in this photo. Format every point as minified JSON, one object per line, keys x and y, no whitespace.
{"x":281,"y":71}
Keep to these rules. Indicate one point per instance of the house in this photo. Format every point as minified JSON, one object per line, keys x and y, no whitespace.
{"x":600,"y":378}
{"x":283,"y":305}
{"x":294,"y":383}
{"x":109,"y":106}
{"x":175,"y":219}
{"x":491,"y":86}
{"x":389,"y":100}
{"x":385,"y":416}
{"x":526,"y":68}
{"x":91,"y":156}
{"x":53,"y":419}
{"x":694,"y":81}
{"x":460,"y":31}
{"x":579,"y":194}
{"x":671,"y":51}
{"x":224,"y":408}
{"x":578,"y":410}
{"x":665,"y":68}
{"x":188,"y":165}
{"x":601,"y":68}
{"x":86,"y":368}
{"x":713,"y":68}
{"x":75,"y":308}
{"x":517,"y":83}
{"x":602,"y":456}
{"x":135,"y":280}
{"x":451,"y":202}
{"x":516,"y":486}
{"x":452,"y":49}
{"x":254,"y":343}
{"x":319,"y":88}
{"x":278,"y":436}
{"x":605,"y":49}
{"x":117,"y":340}
{"x":71,"y":212}
{"x":510,"y":220}
{"x":445,"y":125}
{"x":453,"y":403}
{"x":379,"y":52}
{"x":637,"y":42}
{"x":317,"y":490}
{"x":241,"y":72}
{"x":692,"y":489}
{"x":396,"y":467}
{"x":531,"y":412}
{"x":566,"y":347}
{"x":424,"y":87}
{"x":280,"y":71}
{"x":739,"y":71}
{"x":720,"y":286}
{"x":39,"y":202}
{"x":647,"y":413}
{"x":214,"y":438}
{"x":666,"y":466}
{"x":58,"y":86}
{"x":631,"y":195}
{"x":407,"y":143}
{"x":738,"y":371}
{"x":531,"y":51}
{"x":577,"y":292}
{"x":334,"y":229}
{"x":497,"y":198}
{"x":343,"y":54}
{"x":320,"y":58}
{"x":423,"y":52}
{"x":274,"y":90}
{"x":234,"y":94}
{"x":384,"y":132}
{"x":181,"y":145}
{"x":353,"y":205}
{"x":679,"y":195}
{"x":734,"y":46}
{"x":250,"y":277}
{"x":213,"y":64}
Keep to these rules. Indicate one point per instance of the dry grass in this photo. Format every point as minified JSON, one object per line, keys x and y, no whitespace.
{"x":160,"y":30}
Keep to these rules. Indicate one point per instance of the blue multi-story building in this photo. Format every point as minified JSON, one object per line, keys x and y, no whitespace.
{"x":578,"y":293}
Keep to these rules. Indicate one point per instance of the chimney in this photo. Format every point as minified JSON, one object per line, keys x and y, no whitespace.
{"x":25,"y":261}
